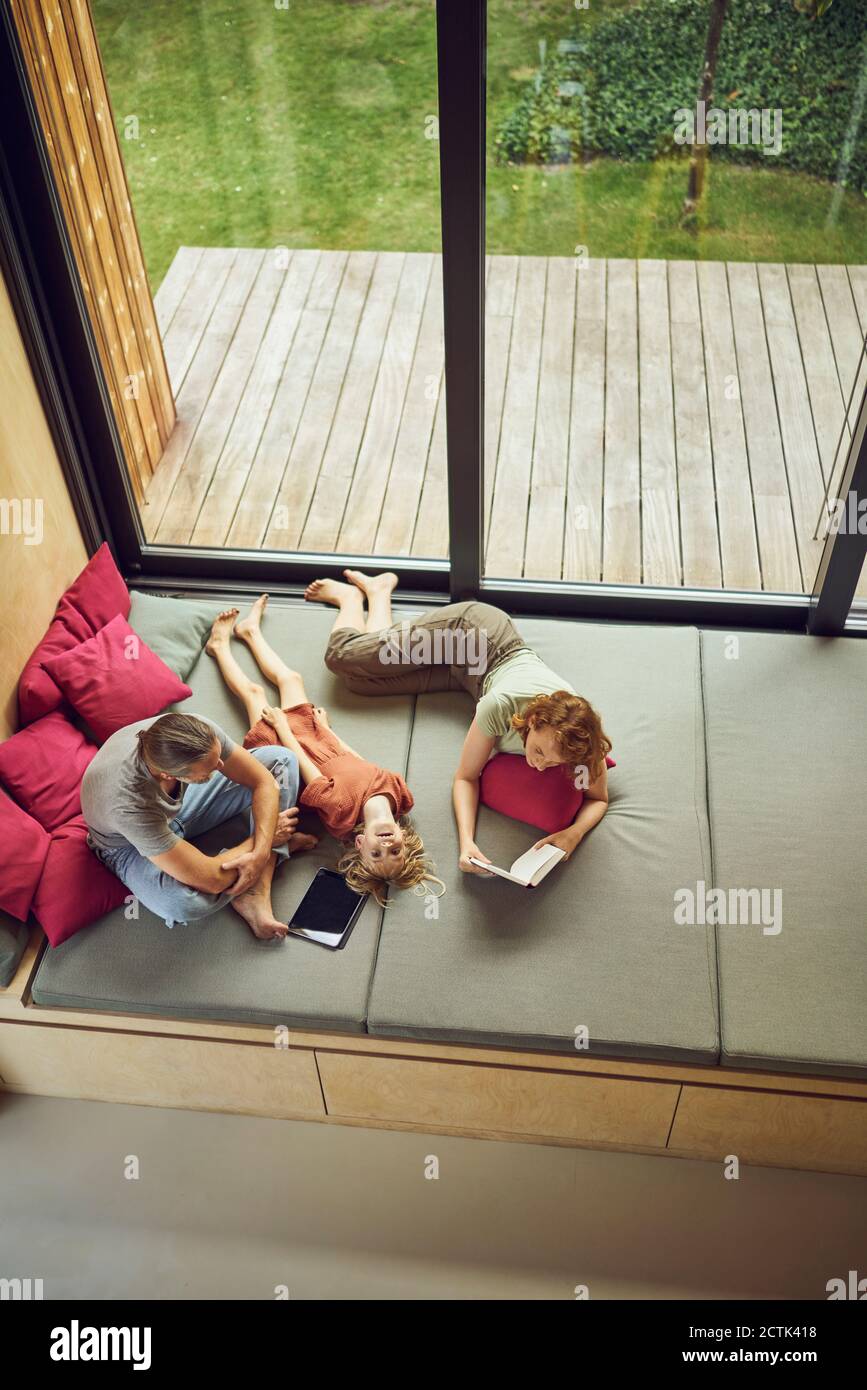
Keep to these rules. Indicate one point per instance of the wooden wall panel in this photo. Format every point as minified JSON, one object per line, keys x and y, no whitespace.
{"x":62,"y":57}
{"x":34,"y":569}
{"x":788,"y":1131}
{"x":499,"y":1100}
{"x":181,"y":1073}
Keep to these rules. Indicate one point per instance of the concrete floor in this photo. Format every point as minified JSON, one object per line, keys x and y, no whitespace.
{"x":231,"y":1207}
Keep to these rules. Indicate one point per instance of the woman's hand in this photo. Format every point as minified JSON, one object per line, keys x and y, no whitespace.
{"x":464,"y":861}
{"x":567,"y":840}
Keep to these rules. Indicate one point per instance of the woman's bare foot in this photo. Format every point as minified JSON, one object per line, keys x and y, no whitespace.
{"x":299,"y":842}
{"x":252,"y":622}
{"x":257,"y":912}
{"x":327,"y":591}
{"x":221,"y":630}
{"x":371,"y":584}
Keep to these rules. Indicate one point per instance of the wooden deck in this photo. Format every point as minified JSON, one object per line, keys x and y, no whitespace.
{"x":651,"y":422}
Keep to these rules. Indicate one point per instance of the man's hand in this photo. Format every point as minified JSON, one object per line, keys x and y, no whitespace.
{"x":249,"y":868}
{"x":287,"y":824}
{"x":567,"y":840}
{"x":464,"y":861}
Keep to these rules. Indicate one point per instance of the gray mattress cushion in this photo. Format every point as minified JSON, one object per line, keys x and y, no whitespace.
{"x":216,"y":969}
{"x":175,"y":629}
{"x":787,"y":767}
{"x":595,"y":945}
{"x":13,"y":939}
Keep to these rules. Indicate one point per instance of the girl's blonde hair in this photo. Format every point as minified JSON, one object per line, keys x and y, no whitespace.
{"x":416,"y":872}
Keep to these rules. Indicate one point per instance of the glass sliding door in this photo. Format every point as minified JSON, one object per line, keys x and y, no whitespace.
{"x":675,"y":290}
{"x":283,"y":163}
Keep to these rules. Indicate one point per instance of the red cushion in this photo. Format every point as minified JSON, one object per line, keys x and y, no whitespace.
{"x":76,"y":888}
{"x":25,"y":845}
{"x":99,"y":592}
{"x":42,"y":766}
{"x":95,"y":597}
{"x":549,"y":800}
{"x":114,"y":679}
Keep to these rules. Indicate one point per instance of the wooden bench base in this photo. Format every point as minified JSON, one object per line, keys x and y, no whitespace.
{"x":775,"y":1119}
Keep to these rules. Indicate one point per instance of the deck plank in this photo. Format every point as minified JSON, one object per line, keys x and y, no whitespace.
{"x":775,"y":527}
{"x":504,"y":554}
{"x":431,"y":535}
{"x":501,"y":284}
{"x":550,"y":462}
{"x":370,"y":493}
{"x":174,"y":285}
{"x":412,"y":450}
{"x":322,"y":525}
{"x":236,"y":460}
{"x":737,"y":522}
{"x":660,"y":519}
{"x":621,"y":521}
{"x":191,"y":319}
{"x":582,"y":543}
{"x":256,"y":504}
{"x":191,"y":485}
{"x":800,"y":449}
{"x":193,"y":396}
{"x":308,"y":448}
{"x":695,"y":474}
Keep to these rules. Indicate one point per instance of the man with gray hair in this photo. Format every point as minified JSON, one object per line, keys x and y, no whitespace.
{"x":156,"y":784}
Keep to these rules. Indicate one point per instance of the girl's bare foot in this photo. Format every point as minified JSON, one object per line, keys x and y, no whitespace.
{"x":251,"y":623}
{"x":221,"y":630}
{"x":327,"y":591}
{"x":372,"y":583}
{"x":300,"y":842}
{"x":257,"y":912}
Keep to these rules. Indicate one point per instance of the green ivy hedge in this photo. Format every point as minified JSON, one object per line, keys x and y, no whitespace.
{"x":632,"y":69}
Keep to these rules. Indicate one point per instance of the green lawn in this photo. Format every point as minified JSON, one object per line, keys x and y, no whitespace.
{"x":307,"y":127}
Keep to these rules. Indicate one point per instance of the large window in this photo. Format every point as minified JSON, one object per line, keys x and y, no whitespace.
{"x":284,"y":170}
{"x":562,"y":304}
{"x":677,"y":288}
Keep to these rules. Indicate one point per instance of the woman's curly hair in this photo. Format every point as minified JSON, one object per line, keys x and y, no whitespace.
{"x":416,"y":870}
{"x":577,"y":729}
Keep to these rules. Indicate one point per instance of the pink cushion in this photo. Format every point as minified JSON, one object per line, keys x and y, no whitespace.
{"x":76,"y":888}
{"x":549,"y":800}
{"x":114,"y":679}
{"x":25,"y":846}
{"x":91,"y":601}
{"x":42,"y":766}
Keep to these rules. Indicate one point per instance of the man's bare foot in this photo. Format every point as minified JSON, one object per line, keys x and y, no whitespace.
{"x":221,"y":630}
{"x":251,"y":623}
{"x":300,"y":842}
{"x":372,"y":583}
{"x":257,"y":912}
{"x":327,"y":591}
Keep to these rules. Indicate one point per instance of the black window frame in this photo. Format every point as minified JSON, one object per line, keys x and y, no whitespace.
{"x":40,"y":271}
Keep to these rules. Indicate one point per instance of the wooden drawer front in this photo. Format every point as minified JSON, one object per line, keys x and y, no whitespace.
{"x":144,"y":1069}
{"x":500,"y":1100}
{"x":761,"y":1127}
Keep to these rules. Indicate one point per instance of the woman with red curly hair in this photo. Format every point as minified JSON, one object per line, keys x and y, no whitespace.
{"x":522,"y":706}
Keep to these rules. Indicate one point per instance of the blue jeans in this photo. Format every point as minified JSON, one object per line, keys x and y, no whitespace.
{"x":204,"y":805}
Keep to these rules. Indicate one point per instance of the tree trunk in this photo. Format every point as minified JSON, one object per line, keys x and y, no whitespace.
{"x":698,"y":159}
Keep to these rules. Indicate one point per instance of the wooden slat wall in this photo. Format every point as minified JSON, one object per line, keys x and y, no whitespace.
{"x":66,"y":74}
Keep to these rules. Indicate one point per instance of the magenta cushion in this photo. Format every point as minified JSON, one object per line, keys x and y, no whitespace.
{"x":114,"y":679}
{"x":25,"y":846}
{"x":76,"y":888}
{"x":91,"y":601}
{"x":549,"y":800}
{"x":42,"y":766}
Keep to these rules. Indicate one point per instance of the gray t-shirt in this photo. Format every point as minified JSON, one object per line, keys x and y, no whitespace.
{"x":121,"y":802}
{"x":508,"y":689}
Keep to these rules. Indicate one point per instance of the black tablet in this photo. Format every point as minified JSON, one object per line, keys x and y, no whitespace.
{"x":327,"y":912}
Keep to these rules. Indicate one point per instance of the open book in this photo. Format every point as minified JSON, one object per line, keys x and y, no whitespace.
{"x":529,"y":869}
